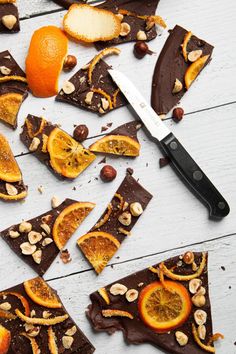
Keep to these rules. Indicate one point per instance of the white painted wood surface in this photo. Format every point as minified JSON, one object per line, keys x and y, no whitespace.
{"x":174,"y":218}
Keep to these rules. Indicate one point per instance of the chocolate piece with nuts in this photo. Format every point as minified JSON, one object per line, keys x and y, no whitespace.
{"x":64,"y":336}
{"x":123,"y":300}
{"x":9,"y":18}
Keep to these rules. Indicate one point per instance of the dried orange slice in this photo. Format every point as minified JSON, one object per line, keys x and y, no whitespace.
{"x":9,"y":169}
{"x":41,"y":321}
{"x":9,"y":107}
{"x":164,"y":308}
{"x":98,"y":247}
{"x":117,"y":145}
{"x":194,"y":70}
{"x":5,"y":340}
{"x":44,"y":62}
{"x":69,"y":220}
{"x":34,"y":344}
{"x":98,"y":57}
{"x":67,"y":157}
{"x":104,"y":25}
{"x":21,"y":298}
{"x":207,"y":348}
{"x":38,"y":290}
{"x":117,"y":313}
{"x":187,"y":37}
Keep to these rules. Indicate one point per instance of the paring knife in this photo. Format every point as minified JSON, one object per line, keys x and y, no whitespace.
{"x":180,"y":158}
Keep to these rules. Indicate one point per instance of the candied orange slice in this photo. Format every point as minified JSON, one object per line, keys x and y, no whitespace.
{"x":9,"y":107}
{"x":98,"y":57}
{"x":187,"y":37}
{"x":69,"y":220}
{"x":5,"y":340}
{"x":52,"y":341}
{"x":104,"y":25}
{"x":41,"y":321}
{"x":98,"y":247}
{"x":116,"y":145}
{"x":39,"y":291}
{"x":34,"y":344}
{"x":67,"y":157}
{"x":164,"y":308}
{"x":104,"y":295}
{"x":20,"y":297}
{"x":13,"y":78}
{"x":9,"y":169}
{"x":117,"y":313}
{"x":30,"y":128}
{"x":194,"y":70}
{"x":178,"y":277}
{"x":104,"y":94}
{"x":205,"y":347}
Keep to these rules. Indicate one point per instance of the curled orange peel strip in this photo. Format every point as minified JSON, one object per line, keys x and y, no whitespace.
{"x":187,"y":37}
{"x":30,"y":128}
{"x":114,"y":98}
{"x":105,"y":218}
{"x":103,"y":293}
{"x":12,"y":78}
{"x":41,"y":321}
{"x":52,"y":345}
{"x":34,"y":345}
{"x":119,"y":196}
{"x":118,"y":313}
{"x":207,"y":348}
{"x":103,"y":93}
{"x":21,"y":298}
{"x":215,"y":337}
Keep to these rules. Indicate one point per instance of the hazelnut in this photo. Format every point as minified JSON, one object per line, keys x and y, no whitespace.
{"x":125,"y":218}
{"x":118,"y":289}
{"x":141,"y":36}
{"x":141,"y":49}
{"x":88,"y":98}
{"x":71,"y":331}
{"x":9,"y":21}
{"x":201,"y":291}
{"x":181,"y":338}
{"x":202,"y":332}
{"x":136,"y":209}
{"x":34,"y":237}
{"x":6,"y":306}
{"x":46,"y":218}
{"x":199,"y":300}
{"x":188,"y":257}
{"x":46,"y":314}
{"x":105,"y":104}
{"x":34,"y":144}
{"x":67,"y":341}
{"x":25,"y":226}
{"x":32,"y":313}
{"x":125,"y":29}
{"x":194,"y":285}
{"x":178,"y":114}
{"x":27,"y":249}
{"x":131,"y":295}
{"x":4,"y":70}
{"x":81,"y":132}
{"x":101,"y":111}
{"x":55,"y":202}
{"x":108,"y":173}
{"x":200,"y":317}
{"x":47,"y":241}
{"x":37,"y":256}
{"x":178,"y":86}
{"x":14,"y":234}
{"x":68,"y":87}
{"x":11,"y":190}
{"x":69,"y":63}
{"x":194,"y":55}
{"x":46,"y":228}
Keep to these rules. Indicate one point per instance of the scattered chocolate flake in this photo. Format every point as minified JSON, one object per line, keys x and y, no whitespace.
{"x":103,"y":160}
{"x":129,"y":171}
{"x":223,"y":268}
{"x":103,"y":129}
{"x":163,"y":161}
{"x":65,"y":256}
{"x":109,"y":125}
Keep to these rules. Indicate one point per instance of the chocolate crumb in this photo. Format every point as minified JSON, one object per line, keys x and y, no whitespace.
{"x":223,"y":268}
{"x":129,"y":171}
{"x":163,"y":161}
{"x":109,"y":125}
{"x":103,"y":129}
{"x":103,"y":160}
{"x":74,"y":188}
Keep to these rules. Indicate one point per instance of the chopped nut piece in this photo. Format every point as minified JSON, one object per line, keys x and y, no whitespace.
{"x":199,"y":300}
{"x":47,"y":241}
{"x":55,"y":202}
{"x":194,"y":285}
{"x":40,"y":189}
{"x":37,"y":256}
{"x":105,"y":103}
{"x":118,"y":289}
{"x":188,"y":257}
{"x":123,"y":231}
{"x":85,"y":67}
{"x":125,"y":218}
{"x":6,"y":306}
{"x":45,"y":141}
{"x":34,"y":237}
{"x":201,"y":291}
{"x":34,"y":331}
{"x":131,"y":295}
{"x":46,"y":219}
{"x":200,"y":317}
{"x":120,"y":16}
{"x":71,"y":331}
{"x":4,"y":70}
{"x":9,"y":21}
{"x":125,"y":29}
{"x":136,"y":209}
{"x":11,"y":190}
{"x":14,"y":234}
{"x":125,"y":206}
{"x":65,"y":256}
{"x":32,"y":314}
{"x":27,"y":249}
{"x":25,"y":226}
{"x":67,"y":341}
{"x":141,"y":36}
{"x":68,"y":87}
{"x":178,"y":86}
{"x":194,"y":266}
{"x":181,"y":338}
{"x":34,"y":144}
{"x":140,"y":284}
{"x":101,"y":111}
{"x":194,"y":55}
{"x":46,"y":314}
{"x":202,"y":331}
{"x":88,"y":98}
{"x":46,"y":228}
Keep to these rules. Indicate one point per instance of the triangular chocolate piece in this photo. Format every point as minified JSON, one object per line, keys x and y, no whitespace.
{"x":166,"y":305}
{"x":9,"y":18}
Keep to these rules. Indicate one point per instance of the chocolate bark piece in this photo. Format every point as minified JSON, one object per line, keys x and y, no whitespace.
{"x":21,"y":344}
{"x":13,"y":92}
{"x":40,"y":128}
{"x":170,"y":66}
{"x":135,"y":330}
{"x":140,"y":7}
{"x":46,"y":243}
{"x":6,"y":10}
{"x":100,"y":80}
{"x":130,"y":191}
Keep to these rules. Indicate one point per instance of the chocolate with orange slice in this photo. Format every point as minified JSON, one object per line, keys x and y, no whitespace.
{"x":39,"y":240}
{"x":45,"y":328}
{"x":9,"y":17}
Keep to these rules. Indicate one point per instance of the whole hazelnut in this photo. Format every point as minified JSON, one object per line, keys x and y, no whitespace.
{"x":69,"y":63}
{"x":178,"y":114}
{"x":141,"y":49}
{"x":188,"y":257}
{"x":81,"y":132}
{"x":108,"y":173}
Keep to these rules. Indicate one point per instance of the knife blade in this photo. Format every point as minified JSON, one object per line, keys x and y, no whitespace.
{"x":181,"y":160}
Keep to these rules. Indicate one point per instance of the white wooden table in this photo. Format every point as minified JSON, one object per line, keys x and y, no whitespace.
{"x":175,"y":221}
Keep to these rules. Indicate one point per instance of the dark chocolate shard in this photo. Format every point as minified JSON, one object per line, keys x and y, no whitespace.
{"x":135,"y":330}
{"x":100,"y":80}
{"x":112,"y":223}
{"x":47,"y":244}
{"x":12,"y":92}
{"x":21,"y":344}
{"x":170,"y":66}
{"x":9,"y":24}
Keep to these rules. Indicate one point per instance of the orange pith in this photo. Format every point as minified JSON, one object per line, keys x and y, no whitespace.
{"x":68,"y":221}
{"x":5,"y":340}
{"x":67,"y":157}
{"x":116,"y":144}
{"x":164,"y":308}
{"x":194,"y":69}
{"x":9,"y":169}
{"x":21,"y":298}
{"x":98,"y":247}
{"x":44,"y":62}
{"x":41,"y":293}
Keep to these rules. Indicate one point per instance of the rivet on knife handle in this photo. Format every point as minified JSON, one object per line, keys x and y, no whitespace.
{"x":195,"y":177}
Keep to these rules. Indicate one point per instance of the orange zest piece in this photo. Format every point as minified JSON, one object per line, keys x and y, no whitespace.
{"x":104,"y":295}
{"x":34,"y":344}
{"x":5,"y":340}
{"x":104,"y":94}
{"x":194,"y":70}
{"x":205,"y":347}
{"x":12,"y":78}
{"x":52,"y":341}
{"x":187,"y":37}
{"x":154,"y":270}
{"x":98,"y":247}
{"x":41,"y":321}
{"x":215,"y":337}
{"x":164,"y":308}
{"x":98,"y":57}
{"x":114,"y":98}
{"x":30,"y":131}
{"x":44,"y":62}
{"x":9,"y":107}
{"x":39,"y":291}
{"x":156,"y":19}
{"x":68,"y":221}
{"x":178,"y":277}
{"x":21,"y":298}
{"x":9,"y":169}
{"x":67,"y":157}
{"x":121,"y":199}
{"x":104,"y":25}
{"x":117,"y":313}
{"x":105,"y":218}
{"x":116,"y":145}
{"x":7,"y":315}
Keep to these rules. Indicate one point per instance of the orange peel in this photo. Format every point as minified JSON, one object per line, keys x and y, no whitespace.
{"x":5,"y":340}
{"x":20,"y":297}
{"x":105,"y":218}
{"x":117,"y":145}
{"x":117,"y":313}
{"x":114,"y":97}
{"x":29,"y":127}
{"x":9,"y":169}
{"x":19,"y":196}
{"x":52,"y":345}
{"x":187,"y":37}
{"x":9,"y":107}
{"x":215,"y":337}
{"x":33,"y":343}
{"x":13,"y":78}
{"x":104,"y":94}
{"x":41,"y":321}
{"x":194,"y":70}
{"x":205,"y":347}
{"x":158,"y":20}
{"x":104,"y":294}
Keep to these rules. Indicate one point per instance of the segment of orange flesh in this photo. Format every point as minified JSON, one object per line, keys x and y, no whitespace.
{"x":9,"y":169}
{"x":117,"y":145}
{"x":194,"y":70}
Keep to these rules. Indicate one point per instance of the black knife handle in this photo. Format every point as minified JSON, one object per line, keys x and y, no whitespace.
{"x":197,"y":180}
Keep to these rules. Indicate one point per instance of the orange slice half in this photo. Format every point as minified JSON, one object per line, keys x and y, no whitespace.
{"x":164,"y":308}
{"x":69,"y":220}
{"x":98,"y":247}
{"x":9,"y":107}
{"x":194,"y":70}
{"x":9,"y":169}
{"x":117,"y":145}
{"x":5,"y":340}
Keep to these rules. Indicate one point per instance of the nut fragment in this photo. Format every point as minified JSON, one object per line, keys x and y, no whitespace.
{"x":201,"y":291}
{"x":32,"y":313}
{"x":47,"y":241}
{"x":6,"y":306}
{"x":34,"y":144}
{"x":4,"y":70}
{"x":69,"y":63}
{"x":34,"y":237}
{"x":88,"y":98}
{"x":105,"y":103}
{"x":37,"y":256}
{"x":188,"y":257}
{"x":136,"y":209}
{"x":131,"y":295}
{"x":14,"y":234}
{"x":55,"y":202}
{"x":194,"y":55}
{"x":46,"y":314}
{"x":11,"y":190}
{"x":34,"y":331}
{"x":125,"y":29}
{"x":194,"y":285}
{"x":199,"y":300}
{"x":46,"y":218}
{"x":125,"y":218}
{"x":68,"y":87}
{"x":178,"y":86}
{"x":202,"y":332}
{"x":25,"y":226}
{"x":46,"y":228}
{"x":27,"y":249}
{"x":67,"y":341}
{"x":118,"y":289}
{"x":181,"y":338}
{"x":200,"y":317}
{"x":141,"y":36}
{"x":71,"y":331}
{"x":9,"y":21}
